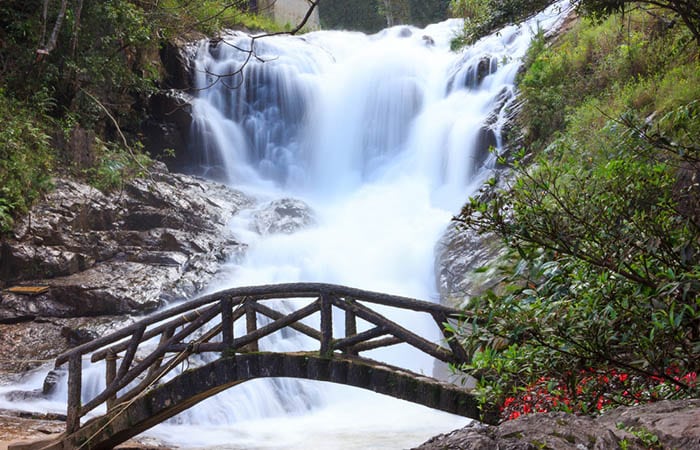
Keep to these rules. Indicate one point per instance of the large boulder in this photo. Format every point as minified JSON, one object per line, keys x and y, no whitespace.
{"x":673,"y":423}
{"x":464,"y":264}
{"x":285,"y":215}
{"x":157,"y":240}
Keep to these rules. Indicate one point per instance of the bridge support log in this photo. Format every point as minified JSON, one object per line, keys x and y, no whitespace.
{"x":197,"y":384}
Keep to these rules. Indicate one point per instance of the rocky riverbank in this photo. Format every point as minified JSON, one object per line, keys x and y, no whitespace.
{"x":83,"y":262}
{"x":661,"y":425}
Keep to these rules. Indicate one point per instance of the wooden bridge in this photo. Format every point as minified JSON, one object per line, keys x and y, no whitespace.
{"x":138,"y":357}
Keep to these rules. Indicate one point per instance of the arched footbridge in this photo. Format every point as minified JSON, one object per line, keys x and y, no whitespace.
{"x":231,"y":326}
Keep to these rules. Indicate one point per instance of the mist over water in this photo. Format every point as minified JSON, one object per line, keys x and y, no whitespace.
{"x":384,"y":137}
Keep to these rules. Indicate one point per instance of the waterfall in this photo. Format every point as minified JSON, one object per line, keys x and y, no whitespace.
{"x":384,"y":137}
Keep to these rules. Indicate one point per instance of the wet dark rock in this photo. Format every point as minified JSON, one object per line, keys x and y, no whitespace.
{"x":474,"y":73}
{"x":52,"y":380}
{"x":176,"y":57}
{"x":167,"y":129}
{"x":675,"y":423}
{"x":23,"y":396}
{"x":78,"y":336}
{"x":28,"y":345}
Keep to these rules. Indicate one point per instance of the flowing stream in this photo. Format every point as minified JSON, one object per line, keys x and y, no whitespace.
{"x":383,"y":137}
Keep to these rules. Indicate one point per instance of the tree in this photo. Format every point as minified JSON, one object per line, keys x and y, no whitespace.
{"x":485,"y":16}
{"x":687,"y":10}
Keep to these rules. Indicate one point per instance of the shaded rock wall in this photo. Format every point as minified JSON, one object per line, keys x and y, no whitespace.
{"x":158,"y":240}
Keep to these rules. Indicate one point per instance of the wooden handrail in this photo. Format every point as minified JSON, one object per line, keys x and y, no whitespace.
{"x":177,"y":327}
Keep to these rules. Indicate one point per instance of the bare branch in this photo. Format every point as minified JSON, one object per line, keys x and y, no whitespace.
{"x":48,"y":48}
{"x":313,"y":4}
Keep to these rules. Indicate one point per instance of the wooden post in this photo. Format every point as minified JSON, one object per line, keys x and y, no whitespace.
{"x":227,"y":321}
{"x":251,"y":324}
{"x":111,"y":375}
{"x":75,"y":377}
{"x":460,"y":354}
{"x":350,"y":326}
{"x":326,"y":350}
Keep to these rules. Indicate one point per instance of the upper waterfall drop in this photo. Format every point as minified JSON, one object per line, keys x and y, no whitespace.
{"x":328,"y":111}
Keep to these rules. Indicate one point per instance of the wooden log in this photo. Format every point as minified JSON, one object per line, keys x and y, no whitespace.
{"x":300,"y":327}
{"x":458,"y":351}
{"x":326,"y":301}
{"x":276,"y":325}
{"x":110,"y":376}
{"x":75,"y":380}
{"x":348,"y":342}
{"x":287,"y":290}
{"x":167,"y":334}
{"x":154,"y":375}
{"x":377,"y":343}
{"x":146,"y":362}
{"x":178,"y":321}
{"x":350,"y":327}
{"x":127,"y":331}
{"x":251,"y":325}
{"x":227,"y":320}
{"x":131,"y":350}
{"x":400,"y":332}
{"x":204,"y":347}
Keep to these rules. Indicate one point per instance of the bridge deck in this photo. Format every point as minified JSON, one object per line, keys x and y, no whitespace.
{"x":137,"y":399}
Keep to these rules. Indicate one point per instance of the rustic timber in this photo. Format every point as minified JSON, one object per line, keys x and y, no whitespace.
{"x":226,"y":324}
{"x":28,"y":290}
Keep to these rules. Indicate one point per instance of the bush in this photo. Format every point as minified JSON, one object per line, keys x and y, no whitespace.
{"x":602,"y":226}
{"x":26,"y":160}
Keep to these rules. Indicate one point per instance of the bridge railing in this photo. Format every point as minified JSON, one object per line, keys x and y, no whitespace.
{"x":207,"y":324}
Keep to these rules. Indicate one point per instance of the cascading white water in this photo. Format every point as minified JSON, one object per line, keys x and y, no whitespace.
{"x":384,"y":136}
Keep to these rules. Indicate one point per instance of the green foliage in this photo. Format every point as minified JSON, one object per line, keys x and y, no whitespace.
{"x":648,"y":439}
{"x":602,"y":223}
{"x":687,"y":11}
{"x":614,"y":57}
{"x":114,"y":165}
{"x":95,"y":79}
{"x":178,"y":17}
{"x":482,"y":17}
{"x":26,"y":160}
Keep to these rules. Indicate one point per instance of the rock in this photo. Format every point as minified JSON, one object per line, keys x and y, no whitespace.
{"x":159,"y":239}
{"x":28,"y":345}
{"x":53,"y":378}
{"x":168,"y":128}
{"x":286,"y":215}
{"x":675,"y":423}
{"x":461,"y":264}
{"x":176,"y":56}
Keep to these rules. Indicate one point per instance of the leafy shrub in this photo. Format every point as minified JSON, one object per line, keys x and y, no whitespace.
{"x":602,"y":224}
{"x":26,"y":160}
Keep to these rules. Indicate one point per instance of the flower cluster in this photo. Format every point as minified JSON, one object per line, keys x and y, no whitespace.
{"x":594,"y":391}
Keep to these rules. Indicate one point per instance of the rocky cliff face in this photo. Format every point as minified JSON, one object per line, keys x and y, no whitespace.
{"x":99,"y":258}
{"x":667,"y":424}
